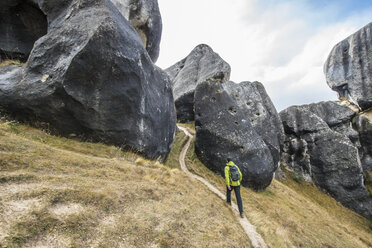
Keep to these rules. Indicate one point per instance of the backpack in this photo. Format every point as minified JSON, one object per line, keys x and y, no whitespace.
{"x":234,"y":172}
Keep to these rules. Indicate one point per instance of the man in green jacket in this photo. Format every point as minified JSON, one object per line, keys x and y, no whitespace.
{"x":233,"y":177}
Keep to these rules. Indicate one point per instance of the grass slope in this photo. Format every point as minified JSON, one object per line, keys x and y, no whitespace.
{"x":58,"y":192}
{"x":295,"y":214}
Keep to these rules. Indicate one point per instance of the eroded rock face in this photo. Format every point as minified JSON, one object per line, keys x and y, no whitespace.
{"x":363,"y":124}
{"x":201,"y":64}
{"x":324,"y":156}
{"x":338,"y":117}
{"x":223,"y":130}
{"x":91,"y":75}
{"x":257,"y":107}
{"x":348,"y":68}
{"x":144,"y":15}
{"x":21,"y":24}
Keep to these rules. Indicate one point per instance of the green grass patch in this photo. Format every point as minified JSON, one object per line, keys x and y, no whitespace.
{"x":297,"y":177}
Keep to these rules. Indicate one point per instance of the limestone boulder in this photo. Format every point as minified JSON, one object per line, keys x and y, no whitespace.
{"x":326,"y":157}
{"x":257,"y":107}
{"x":201,"y":64}
{"x":223,"y":130}
{"x":348,"y":68}
{"x":90,"y":75}
{"x":22,"y":22}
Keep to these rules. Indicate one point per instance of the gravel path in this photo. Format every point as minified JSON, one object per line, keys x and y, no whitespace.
{"x":250,"y":230}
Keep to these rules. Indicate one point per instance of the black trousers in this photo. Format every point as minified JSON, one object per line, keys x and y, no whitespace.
{"x":237,"y":194}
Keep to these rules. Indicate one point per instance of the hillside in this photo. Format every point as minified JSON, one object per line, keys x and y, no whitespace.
{"x":58,"y":192}
{"x":293,"y":213}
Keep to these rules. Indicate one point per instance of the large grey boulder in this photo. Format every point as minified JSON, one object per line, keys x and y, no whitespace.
{"x":223,"y":130}
{"x":90,"y":75}
{"x":257,"y":107}
{"x":326,"y":157}
{"x":21,"y":24}
{"x":144,"y":15}
{"x":201,"y":64}
{"x":348,"y":68}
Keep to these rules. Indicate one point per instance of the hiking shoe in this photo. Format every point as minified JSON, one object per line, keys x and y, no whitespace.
{"x":241,"y":215}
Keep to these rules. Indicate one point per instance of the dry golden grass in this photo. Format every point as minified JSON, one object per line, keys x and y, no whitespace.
{"x":292,"y":214}
{"x":10,"y":62}
{"x":58,"y":192}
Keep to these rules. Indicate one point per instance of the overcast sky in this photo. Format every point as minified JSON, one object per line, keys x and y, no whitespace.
{"x":281,"y":43}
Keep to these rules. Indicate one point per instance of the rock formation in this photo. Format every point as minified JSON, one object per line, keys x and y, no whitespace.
{"x":201,"y":64}
{"x":91,"y":75}
{"x":223,"y":130}
{"x":318,"y":146}
{"x":257,"y":107}
{"x":348,"y":68}
{"x":363,"y":124}
{"x":338,"y":117}
{"x":144,"y":15}
{"x":21,"y":24}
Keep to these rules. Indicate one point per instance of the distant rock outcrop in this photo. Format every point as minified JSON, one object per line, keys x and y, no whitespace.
{"x":257,"y":107}
{"x":318,"y":146}
{"x":348,"y":68}
{"x":223,"y":130}
{"x":144,"y":15}
{"x":201,"y":64}
{"x":91,"y":75}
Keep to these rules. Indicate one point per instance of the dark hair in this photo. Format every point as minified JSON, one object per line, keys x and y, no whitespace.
{"x":228,"y":159}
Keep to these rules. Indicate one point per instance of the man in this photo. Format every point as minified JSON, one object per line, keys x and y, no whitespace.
{"x":233,"y":178}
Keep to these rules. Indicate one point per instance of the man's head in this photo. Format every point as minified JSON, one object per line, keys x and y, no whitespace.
{"x":228,"y":159}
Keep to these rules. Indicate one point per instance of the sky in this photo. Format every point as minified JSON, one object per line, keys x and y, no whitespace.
{"x":281,"y":43}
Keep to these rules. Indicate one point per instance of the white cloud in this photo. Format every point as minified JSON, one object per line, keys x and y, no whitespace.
{"x":282,"y":44}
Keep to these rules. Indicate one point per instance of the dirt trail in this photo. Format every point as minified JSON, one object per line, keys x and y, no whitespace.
{"x":250,"y":230}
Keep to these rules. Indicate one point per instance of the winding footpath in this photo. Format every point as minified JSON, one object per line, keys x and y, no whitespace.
{"x":249,"y":229}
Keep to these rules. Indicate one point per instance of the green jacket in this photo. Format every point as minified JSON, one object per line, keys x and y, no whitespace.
{"x":228,"y":175}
